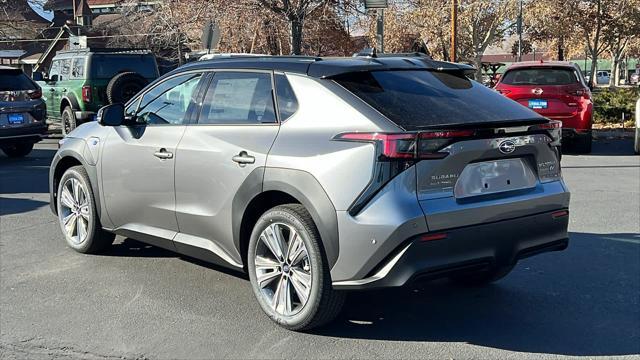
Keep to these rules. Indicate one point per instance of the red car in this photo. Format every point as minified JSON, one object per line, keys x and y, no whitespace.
{"x":556,"y":90}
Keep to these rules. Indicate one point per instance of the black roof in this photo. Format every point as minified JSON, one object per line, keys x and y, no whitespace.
{"x":328,"y":67}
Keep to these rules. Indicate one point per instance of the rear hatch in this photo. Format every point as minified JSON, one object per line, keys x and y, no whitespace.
{"x":554,"y":92}
{"x":479,"y":157}
{"x":17,"y":95}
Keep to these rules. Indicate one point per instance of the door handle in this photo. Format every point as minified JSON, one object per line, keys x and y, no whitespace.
{"x":163,"y":154}
{"x":243,"y":158}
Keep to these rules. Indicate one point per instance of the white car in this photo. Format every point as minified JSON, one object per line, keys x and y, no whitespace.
{"x":603,"y":77}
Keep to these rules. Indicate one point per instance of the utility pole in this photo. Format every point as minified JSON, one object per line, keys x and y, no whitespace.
{"x":520,"y":33}
{"x":454,"y":31}
{"x":380,"y":31}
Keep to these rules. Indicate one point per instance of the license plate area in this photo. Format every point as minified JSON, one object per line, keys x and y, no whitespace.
{"x":492,"y":177}
{"x":538,"y":104}
{"x":15,"y":119}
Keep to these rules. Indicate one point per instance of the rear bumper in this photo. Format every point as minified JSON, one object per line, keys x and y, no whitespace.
{"x":570,"y":133}
{"x":84,"y":115}
{"x":471,"y":248}
{"x":23,"y":134}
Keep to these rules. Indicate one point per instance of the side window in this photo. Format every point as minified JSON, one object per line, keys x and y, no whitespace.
{"x":55,"y":68}
{"x":77,"y":68}
{"x":65,"y":69}
{"x":287,"y":102}
{"x":238,"y":98}
{"x":168,"y":102}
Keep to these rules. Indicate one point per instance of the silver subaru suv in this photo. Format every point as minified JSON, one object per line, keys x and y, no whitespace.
{"x":319,"y":175}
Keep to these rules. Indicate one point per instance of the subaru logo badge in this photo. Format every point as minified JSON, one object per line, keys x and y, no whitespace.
{"x":507,"y":147}
{"x":537,"y":91}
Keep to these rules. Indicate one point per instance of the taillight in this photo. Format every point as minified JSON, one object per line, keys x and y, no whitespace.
{"x":34,"y":94}
{"x":86,"y":94}
{"x":585,"y":93}
{"x":409,"y":146}
{"x":552,"y":124}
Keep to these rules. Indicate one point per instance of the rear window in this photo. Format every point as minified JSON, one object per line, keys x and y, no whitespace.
{"x":14,"y":80}
{"x":420,"y":98}
{"x":107,"y":66}
{"x":540,"y":76}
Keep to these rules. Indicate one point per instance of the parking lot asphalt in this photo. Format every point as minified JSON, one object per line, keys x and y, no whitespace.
{"x":137,"y":301}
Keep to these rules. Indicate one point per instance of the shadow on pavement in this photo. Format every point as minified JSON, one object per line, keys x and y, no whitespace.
{"x":606,"y":147}
{"x":29,"y":174}
{"x":583,"y":301}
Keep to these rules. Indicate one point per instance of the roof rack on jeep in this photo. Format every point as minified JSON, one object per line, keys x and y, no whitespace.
{"x":107,"y":50}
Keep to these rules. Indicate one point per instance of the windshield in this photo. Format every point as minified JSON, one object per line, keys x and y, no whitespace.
{"x":540,"y":76}
{"x":421,"y":98}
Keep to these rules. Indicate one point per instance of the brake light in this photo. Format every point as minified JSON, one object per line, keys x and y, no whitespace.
{"x":86,"y":94}
{"x":34,"y":94}
{"x":432,"y":237}
{"x":552,"y":124}
{"x":580,"y":93}
{"x":409,"y":146}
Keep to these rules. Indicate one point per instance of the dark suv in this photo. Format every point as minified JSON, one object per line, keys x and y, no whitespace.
{"x":79,"y":82}
{"x":22,"y":112}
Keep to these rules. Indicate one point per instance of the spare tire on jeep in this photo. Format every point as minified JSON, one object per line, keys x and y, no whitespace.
{"x":124,"y":86}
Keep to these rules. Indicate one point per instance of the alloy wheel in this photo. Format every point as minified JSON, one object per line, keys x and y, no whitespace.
{"x":283,"y":269}
{"x":74,"y":210}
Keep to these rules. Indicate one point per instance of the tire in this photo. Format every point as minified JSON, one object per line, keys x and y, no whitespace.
{"x":483,"y":278}
{"x":582,"y":143}
{"x":69,"y":122}
{"x":124,"y":86}
{"x":80,"y":204}
{"x":18,"y":150}
{"x":310,"y":267}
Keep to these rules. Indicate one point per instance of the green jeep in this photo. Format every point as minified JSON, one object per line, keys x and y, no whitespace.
{"x":81,"y":81}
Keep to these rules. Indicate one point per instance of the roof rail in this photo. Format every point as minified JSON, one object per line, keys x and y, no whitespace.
{"x":223,"y":57}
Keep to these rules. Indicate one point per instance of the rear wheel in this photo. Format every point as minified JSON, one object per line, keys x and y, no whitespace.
{"x":483,"y":277}
{"x":288,"y":270}
{"x":68,"y":120}
{"x":77,"y":213}
{"x":17,"y":150}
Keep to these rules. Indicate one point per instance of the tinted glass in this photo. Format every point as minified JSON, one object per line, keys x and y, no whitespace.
{"x":107,"y":66}
{"x":14,"y":80}
{"x":168,"y":102}
{"x":540,"y":76}
{"x":77,"y":68}
{"x":238,"y":98}
{"x":287,"y":102}
{"x":421,"y":98}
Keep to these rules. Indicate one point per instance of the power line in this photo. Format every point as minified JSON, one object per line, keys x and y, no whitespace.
{"x":89,"y":37}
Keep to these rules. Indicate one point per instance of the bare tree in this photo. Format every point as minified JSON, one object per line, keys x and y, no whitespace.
{"x":295,"y":12}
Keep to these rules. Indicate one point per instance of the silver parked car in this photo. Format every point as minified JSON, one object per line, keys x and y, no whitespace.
{"x":318,"y":176}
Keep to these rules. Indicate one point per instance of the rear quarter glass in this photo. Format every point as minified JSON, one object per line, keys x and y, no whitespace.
{"x":422,"y":98}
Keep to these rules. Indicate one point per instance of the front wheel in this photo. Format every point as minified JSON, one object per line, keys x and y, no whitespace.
{"x":77,"y":213}
{"x":288,"y":270}
{"x":17,"y":150}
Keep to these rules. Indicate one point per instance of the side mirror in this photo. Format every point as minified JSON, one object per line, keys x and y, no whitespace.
{"x":111,"y":115}
{"x":37,"y":76}
{"x":54,"y":78}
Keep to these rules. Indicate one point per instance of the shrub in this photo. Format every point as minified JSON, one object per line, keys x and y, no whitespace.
{"x":610,"y":103}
